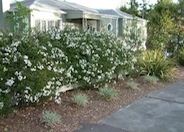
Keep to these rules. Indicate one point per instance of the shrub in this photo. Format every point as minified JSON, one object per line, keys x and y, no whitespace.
{"x":181,"y":56}
{"x":80,"y":99}
{"x":107,"y":92}
{"x":131,"y":84}
{"x":154,"y":63}
{"x":151,"y":79}
{"x":35,"y":68}
{"x":50,"y":118}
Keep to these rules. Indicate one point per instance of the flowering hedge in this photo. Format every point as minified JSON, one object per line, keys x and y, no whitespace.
{"x":35,"y":68}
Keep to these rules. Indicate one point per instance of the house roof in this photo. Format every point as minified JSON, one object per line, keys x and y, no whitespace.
{"x":55,"y":5}
{"x":44,"y":5}
{"x":118,"y":13}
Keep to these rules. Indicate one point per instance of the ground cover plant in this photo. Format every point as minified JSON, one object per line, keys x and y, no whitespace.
{"x":50,"y":118}
{"x":181,"y":56}
{"x":132,"y":84}
{"x":107,"y":92}
{"x":151,"y":79}
{"x":80,"y":99}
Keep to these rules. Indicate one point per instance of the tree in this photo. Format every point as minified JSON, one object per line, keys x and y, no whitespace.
{"x":19,"y":20}
{"x":161,"y":25}
{"x":133,"y":9}
{"x":138,"y":9}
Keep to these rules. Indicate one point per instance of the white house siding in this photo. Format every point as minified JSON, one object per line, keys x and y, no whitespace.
{"x":4,"y":7}
{"x":44,"y":18}
{"x":105,"y":21}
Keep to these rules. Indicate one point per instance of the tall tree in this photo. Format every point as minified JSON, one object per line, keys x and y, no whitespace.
{"x":20,"y":20}
{"x":133,"y":9}
{"x":162,"y":25}
{"x":137,"y":9}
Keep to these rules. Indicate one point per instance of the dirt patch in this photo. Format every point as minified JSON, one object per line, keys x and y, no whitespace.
{"x":28,"y":119}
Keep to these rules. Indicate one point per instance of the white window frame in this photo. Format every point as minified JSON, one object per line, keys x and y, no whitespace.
{"x":111,"y":27}
{"x":47,"y":26}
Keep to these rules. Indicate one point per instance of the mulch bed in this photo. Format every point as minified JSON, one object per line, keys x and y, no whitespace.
{"x":28,"y":119}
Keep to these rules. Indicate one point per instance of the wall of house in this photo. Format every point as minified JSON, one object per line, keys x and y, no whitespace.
{"x":120,"y":27}
{"x":40,"y":18}
{"x":73,"y":23}
{"x":4,"y":7}
{"x":109,"y":24}
{"x":92,"y":25}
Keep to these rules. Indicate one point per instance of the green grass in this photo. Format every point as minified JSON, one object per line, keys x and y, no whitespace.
{"x":50,"y":118}
{"x":80,"y":99}
{"x":107,"y":92}
{"x":132,"y":84}
{"x":151,"y":79}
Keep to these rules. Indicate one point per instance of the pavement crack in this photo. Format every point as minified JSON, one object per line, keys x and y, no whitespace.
{"x":166,"y":100}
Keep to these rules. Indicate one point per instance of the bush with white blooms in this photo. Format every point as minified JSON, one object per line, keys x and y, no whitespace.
{"x":36,"y":67}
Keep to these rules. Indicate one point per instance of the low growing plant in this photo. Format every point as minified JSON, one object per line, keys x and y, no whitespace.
{"x":154,"y":63}
{"x":107,"y":92}
{"x":80,"y":99}
{"x":181,"y":56}
{"x":132,"y":84}
{"x":151,"y":79}
{"x":50,"y":118}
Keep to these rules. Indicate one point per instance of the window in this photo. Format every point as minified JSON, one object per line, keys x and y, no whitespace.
{"x":109,"y":27}
{"x":43,"y":25}
{"x":51,"y":25}
{"x":37,"y":25}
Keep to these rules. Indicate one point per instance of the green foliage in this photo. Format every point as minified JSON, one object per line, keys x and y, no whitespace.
{"x":20,"y":20}
{"x":132,"y":84}
{"x":133,"y":9}
{"x":154,"y":63}
{"x":134,"y":35}
{"x":107,"y":92}
{"x":164,"y":26}
{"x":181,"y":56}
{"x":50,"y":118}
{"x":36,"y":67}
{"x":80,"y":99}
{"x":151,"y":79}
{"x":160,"y":30}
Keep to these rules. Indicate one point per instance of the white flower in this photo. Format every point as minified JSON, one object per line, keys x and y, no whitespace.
{"x":10,"y":82}
{"x":29,"y":63}
{"x":33,"y":69}
{"x":1,"y":105}
{"x":58,"y":83}
{"x":5,"y":69}
{"x":5,"y":91}
{"x":25,"y":57}
{"x":10,"y":34}
{"x":49,"y":68}
{"x":6,"y":60}
{"x":15,"y":59}
{"x":20,"y":78}
{"x":16,"y":44}
{"x":26,"y":61}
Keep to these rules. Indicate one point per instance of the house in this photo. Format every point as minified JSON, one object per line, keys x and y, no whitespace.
{"x":47,"y":14}
{"x":118,"y":21}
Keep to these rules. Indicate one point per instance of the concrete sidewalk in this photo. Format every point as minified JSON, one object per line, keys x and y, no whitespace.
{"x":161,"y":111}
